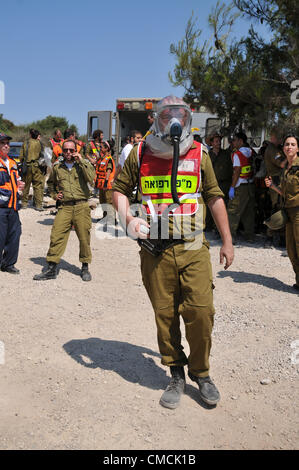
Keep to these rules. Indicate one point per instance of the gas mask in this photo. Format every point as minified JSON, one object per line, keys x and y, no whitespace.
{"x":170,"y":110}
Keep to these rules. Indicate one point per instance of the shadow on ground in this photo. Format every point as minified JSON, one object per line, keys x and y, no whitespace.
{"x":125,"y":359}
{"x":64,"y":265}
{"x":270,"y":282}
{"x":46,"y":221}
{"x":129,"y":361}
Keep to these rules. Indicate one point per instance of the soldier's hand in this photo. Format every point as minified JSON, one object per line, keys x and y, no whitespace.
{"x":77,"y":156}
{"x":137,"y":227}
{"x":59,"y":196}
{"x":21,"y":185}
{"x":227,"y":252}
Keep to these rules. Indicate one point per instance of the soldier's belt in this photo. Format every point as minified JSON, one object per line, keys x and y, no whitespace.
{"x":74,"y":203}
{"x":156,"y":247}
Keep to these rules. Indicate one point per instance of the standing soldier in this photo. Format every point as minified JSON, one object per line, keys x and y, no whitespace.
{"x":223,"y":169}
{"x":93,"y":149}
{"x":178,"y":280}
{"x":275,"y":162}
{"x":241,"y":207}
{"x":68,"y":184}
{"x":31,"y":152}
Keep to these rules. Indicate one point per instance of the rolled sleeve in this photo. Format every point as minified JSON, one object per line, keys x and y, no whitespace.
{"x":127,"y":178}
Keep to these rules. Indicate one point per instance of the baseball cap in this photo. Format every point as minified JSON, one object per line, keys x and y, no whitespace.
{"x":4,"y":136}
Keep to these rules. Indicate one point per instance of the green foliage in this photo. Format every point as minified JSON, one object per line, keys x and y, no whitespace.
{"x":246,"y":82}
{"x":45,"y":126}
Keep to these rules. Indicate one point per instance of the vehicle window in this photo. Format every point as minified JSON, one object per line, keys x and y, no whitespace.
{"x":14,"y":150}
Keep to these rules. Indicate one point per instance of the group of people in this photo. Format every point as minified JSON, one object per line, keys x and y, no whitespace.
{"x":174,"y":178}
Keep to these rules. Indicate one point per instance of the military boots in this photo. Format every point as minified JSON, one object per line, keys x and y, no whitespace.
{"x":172,"y":395}
{"x":85,"y":274}
{"x":207,"y":389}
{"x":49,"y":273}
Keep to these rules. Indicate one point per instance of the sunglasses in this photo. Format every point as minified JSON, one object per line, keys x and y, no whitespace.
{"x":69,"y":150}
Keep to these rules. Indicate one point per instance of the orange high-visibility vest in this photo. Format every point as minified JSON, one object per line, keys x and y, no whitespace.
{"x":9,"y":196}
{"x":155,"y":182}
{"x":101,"y":171}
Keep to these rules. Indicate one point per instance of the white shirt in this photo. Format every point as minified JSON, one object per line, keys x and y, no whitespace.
{"x":124,"y":154}
{"x":247,"y":152}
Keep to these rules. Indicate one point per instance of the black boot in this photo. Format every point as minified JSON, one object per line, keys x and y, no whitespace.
{"x":207,"y":389}
{"x":49,"y":273}
{"x":172,"y":395}
{"x":85,"y":274}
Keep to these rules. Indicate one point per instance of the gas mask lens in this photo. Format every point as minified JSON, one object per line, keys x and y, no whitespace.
{"x":167,"y":114}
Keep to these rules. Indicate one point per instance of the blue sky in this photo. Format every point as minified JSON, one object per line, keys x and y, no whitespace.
{"x":66,"y":58}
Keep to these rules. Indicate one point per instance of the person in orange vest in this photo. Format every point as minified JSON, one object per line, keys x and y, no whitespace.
{"x":241,"y":206}
{"x":105,"y":172}
{"x":10,"y":226}
{"x":56,"y":139}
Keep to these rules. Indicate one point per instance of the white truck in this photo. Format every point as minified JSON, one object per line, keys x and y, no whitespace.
{"x":131,"y":114}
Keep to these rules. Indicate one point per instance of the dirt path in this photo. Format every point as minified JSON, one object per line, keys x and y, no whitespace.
{"x":82,"y":369}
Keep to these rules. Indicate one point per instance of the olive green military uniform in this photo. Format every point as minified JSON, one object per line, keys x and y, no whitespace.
{"x":223,"y":169}
{"x":273,"y":158}
{"x":242,"y":209}
{"x":290,"y":190}
{"x":74,"y":209}
{"x":34,"y":173}
{"x":89,"y":150}
{"x":179,"y":281}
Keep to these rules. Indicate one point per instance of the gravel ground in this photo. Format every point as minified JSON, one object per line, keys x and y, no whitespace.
{"x":82,"y":369}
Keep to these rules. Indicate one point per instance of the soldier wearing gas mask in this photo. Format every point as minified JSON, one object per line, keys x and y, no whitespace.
{"x":175,"y":179}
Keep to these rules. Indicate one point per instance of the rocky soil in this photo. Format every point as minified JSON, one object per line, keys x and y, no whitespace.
{"x":81,"y":368}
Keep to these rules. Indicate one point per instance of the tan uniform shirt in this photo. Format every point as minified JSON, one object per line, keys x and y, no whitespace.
{"x":34,"y":150}
{"x":290,"y":185}
{"x":73,"y":183}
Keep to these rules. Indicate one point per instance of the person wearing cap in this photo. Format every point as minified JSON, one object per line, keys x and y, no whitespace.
{"x":31,"y":152}
{"x":289,"y":191}
{"x":68,"y":184}
{"x":10,"y":225}
{"x":241,"y":206}
{"x":175,"y":261}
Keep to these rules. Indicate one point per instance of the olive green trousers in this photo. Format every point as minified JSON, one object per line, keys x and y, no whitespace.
{"x":35,"y":177}
{"x":242,"y":209}
{"x":179,"y":282}
{"x":292,"y":239}
{"x":68,"y":216}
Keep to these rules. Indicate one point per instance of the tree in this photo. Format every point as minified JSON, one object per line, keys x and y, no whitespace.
{"x":245,"y":82}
